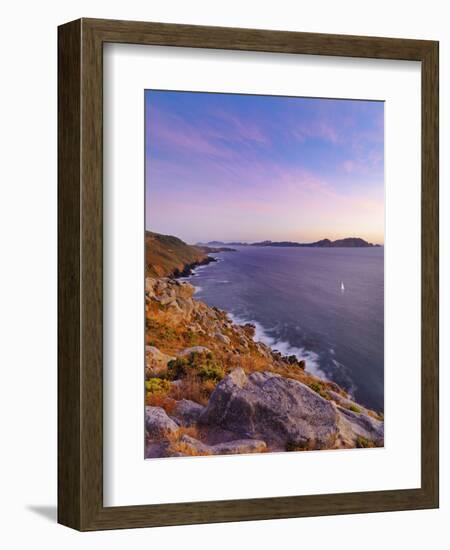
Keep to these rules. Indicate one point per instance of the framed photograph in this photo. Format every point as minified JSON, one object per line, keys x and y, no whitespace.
{"x":248,"y":274}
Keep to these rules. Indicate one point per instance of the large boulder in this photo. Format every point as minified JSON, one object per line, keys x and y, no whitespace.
{"x":185,"y":290}
{"x":158,"y":424}
{"x":278,"y":410}
{"x":241,"y":446}
{"x":346,"y":403}
{"x":354,"y":427}
{"x":356,"y":423}
{"x":222,"y":338}
{"x":167,"y":298}
{"x":155,"y":360}
{"x":186,"y":306}
{"x":194,"y":446}
{"x":187,"y":412}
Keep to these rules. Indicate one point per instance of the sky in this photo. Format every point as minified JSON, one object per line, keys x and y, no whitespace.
{"x":235,"y":167}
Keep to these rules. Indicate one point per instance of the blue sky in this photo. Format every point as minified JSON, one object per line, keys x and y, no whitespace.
{"x":243,"y":167}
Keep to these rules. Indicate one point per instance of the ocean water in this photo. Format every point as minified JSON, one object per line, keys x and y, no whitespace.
{"x":294,"y":298}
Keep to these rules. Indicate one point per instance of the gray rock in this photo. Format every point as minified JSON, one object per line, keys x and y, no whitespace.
{"x":353,"y":425}
{"x":272,"y":408}
{"x":150,"y":284}
{"x":222,"y":338}
{"x":240,"y":446}
{"x":188,"y":412}
{"x":166,"y":299}
{"x":231,"y":447}
{"x":161,"y":284}
{"x":155,"y":359}
{"x":185,"y":290}
{"x":158,"y":424}
{"x":186,"y":306}
{"x":345,"y":402}
{"x":194,"y":349}
{"x":156,"y":449}
{"x":196,"y":446}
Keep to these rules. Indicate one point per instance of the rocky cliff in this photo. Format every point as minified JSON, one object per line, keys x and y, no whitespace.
{"x":212,"y":389}
{"x":167,"y":256}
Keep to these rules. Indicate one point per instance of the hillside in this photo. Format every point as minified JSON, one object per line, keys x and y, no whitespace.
{"x":167,"y":256}
{"x":212,"y":389}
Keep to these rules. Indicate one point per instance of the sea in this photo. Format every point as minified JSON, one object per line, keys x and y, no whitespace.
{"x":324,"y":305}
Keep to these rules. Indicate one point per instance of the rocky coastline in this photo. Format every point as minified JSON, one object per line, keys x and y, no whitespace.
{"x":212,"y":389}
{"x":188,"y":269}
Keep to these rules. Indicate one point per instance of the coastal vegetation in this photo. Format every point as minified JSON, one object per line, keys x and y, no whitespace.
{"x":211,"y":388}
{"x":167,"y":256}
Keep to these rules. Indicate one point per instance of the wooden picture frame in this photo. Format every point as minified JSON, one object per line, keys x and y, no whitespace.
{"x":80,"y":271}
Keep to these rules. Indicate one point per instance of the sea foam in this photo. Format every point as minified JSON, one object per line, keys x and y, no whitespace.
{"x":261,"y":335}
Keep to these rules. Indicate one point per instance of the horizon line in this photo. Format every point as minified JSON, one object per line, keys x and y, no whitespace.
{"x":246,"y":241}
{"x":250,"y":241}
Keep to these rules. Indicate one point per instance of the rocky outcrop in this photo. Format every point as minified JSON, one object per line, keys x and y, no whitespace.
{"x":168,"y":256}
{"x":158,"y":424}
{"x":223,"y":338}
{"x":195,"y":447}
{"x":187,"y":412}
{"x":359,"y":428}
{"x":212,"y":389}
{"x":287,"y":414}
{"x":155,"y":360}
{"x":270,"y":407}
{"x":241,"y":446}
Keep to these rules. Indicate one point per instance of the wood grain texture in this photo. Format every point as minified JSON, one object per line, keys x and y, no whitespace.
{"x":430,"y":273}
{"x":69,"y":248}
{"x":80,"y":242}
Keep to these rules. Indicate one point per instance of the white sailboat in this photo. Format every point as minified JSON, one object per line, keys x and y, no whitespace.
{"x":342,"y":286}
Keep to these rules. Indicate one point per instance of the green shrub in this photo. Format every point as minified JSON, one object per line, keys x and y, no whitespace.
{"x":157,"y":386}
{"x":202,"y":364}
{"x":177,"y":368}
{"x":320,"y":389}
{"x":354,"y":409}
{"x":211,"y":372}
{"x":315,"y":386}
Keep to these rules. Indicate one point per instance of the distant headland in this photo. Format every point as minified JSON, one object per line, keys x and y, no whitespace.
{"x":169,"y":256}
{"x":349,"y":242}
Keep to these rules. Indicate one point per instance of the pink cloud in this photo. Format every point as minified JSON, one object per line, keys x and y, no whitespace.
{"x":241,"y":130}
{"x":318,"y":129}
{"x":363,"y":163}
{"x":175,"y":131}
{"x":189,"y":140}
{"x":203,"y":139}
{"x":349,"y":166}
